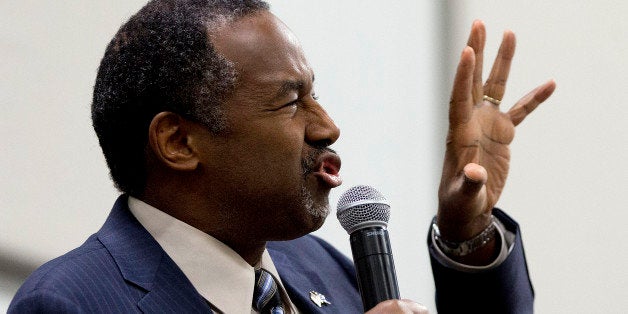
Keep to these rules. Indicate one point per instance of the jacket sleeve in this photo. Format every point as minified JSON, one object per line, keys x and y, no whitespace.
{"x":502,"y":289}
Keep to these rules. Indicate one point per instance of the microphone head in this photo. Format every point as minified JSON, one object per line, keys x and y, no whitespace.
{"x":362,"y":206}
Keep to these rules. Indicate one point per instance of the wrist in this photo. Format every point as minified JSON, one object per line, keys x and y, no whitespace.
{"x":455,"y":227}
{"x":478,"y":249}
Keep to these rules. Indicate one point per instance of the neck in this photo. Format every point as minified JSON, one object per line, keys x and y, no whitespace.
{"x":250,"y":251}
{"x":213,"y":222}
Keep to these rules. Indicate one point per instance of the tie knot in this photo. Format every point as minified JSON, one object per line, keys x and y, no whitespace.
{"x":266,"y":297}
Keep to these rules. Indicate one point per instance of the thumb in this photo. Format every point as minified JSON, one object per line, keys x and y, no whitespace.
{"x":474,"y":178}
{"x":463,"y":203}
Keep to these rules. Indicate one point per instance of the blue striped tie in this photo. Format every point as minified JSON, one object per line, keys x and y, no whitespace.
{"x":266,"y":296}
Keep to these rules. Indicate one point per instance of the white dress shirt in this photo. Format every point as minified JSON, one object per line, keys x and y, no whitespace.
{"x":217,"y":272}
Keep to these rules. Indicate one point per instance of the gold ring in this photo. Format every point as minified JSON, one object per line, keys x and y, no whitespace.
{"x":492,"y":100}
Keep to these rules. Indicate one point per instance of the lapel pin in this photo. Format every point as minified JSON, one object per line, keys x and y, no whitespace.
{"x":318,"y":299}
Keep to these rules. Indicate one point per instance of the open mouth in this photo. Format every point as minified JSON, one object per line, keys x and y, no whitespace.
{"x":327,"y":169}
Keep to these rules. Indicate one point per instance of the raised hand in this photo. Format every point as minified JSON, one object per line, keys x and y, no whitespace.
{"x":477,"y":156}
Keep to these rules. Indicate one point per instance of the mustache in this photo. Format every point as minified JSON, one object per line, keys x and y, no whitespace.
{"x":309,"y":163}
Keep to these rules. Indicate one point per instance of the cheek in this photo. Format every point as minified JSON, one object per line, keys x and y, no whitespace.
{"x":266,"y":146}
{"x":283,"y":138}
{"x":275,"y":152}
{"x":282,"y":151}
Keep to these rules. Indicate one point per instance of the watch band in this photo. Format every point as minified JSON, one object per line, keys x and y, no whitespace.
{"x":466,"y":247}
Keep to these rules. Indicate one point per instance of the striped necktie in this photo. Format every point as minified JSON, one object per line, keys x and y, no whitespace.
{"x":266,"y":295}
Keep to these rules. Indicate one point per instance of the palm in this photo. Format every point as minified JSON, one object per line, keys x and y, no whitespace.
{"x":477,"y":157}
{"x":484,"y":140}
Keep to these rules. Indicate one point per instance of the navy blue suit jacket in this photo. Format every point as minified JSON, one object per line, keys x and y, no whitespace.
{"x":122,"y":269}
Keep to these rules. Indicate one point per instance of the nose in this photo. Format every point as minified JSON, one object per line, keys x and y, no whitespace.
{"x":321,"y":131}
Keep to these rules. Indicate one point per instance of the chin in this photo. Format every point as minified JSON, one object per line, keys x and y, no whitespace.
{"x":307,"y":215}
{"x":301,"y":225}
{"x":317,"y":223}
{"x":314,"y":217}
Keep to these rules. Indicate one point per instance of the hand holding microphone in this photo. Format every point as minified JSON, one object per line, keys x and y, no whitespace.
{"x":364,"y":212}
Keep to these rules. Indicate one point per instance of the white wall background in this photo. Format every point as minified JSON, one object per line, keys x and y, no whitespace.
{"x":383,"y":71}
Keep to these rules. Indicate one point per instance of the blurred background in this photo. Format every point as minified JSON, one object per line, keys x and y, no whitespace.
{"x":384,"y":72}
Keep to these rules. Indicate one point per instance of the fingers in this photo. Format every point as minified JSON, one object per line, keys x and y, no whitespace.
{"x":477,"y":40}
{"x":529,"y":102}
{"x":461,"y":102}
{"x":399,"y":306}
{"x":495,"y":86}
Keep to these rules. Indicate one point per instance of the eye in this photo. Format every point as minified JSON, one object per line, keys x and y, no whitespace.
{"x":290,"y":107}
{"x":292,"y":103}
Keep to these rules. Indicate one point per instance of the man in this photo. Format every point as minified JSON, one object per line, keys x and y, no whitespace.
{"x":207,"y":117}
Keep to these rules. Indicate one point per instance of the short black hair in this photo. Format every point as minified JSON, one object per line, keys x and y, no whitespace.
{"x":161,"y":59}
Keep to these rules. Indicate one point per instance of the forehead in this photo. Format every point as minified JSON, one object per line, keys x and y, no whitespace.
{"x":262,"y":49}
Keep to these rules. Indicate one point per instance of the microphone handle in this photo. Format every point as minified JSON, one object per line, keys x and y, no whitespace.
{"x":375,"y":269}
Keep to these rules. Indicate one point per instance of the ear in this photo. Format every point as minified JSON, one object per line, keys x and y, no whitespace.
{"x":169,"y":139}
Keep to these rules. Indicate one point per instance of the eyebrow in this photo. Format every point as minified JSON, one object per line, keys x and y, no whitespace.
{"x":289,"y":86}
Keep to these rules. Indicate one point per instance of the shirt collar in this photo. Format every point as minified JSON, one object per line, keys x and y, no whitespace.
{"x":217,"y":272}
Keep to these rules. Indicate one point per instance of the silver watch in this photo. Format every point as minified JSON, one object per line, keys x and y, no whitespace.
{"x":466,"y":247}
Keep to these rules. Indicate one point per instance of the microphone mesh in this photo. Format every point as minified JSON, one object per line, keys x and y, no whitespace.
{"x":362,"y":205}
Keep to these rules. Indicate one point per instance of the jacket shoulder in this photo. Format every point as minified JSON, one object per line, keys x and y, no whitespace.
{"x":72,"y":282}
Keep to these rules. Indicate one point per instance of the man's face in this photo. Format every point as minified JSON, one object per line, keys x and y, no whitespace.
{"x":271,"y":166}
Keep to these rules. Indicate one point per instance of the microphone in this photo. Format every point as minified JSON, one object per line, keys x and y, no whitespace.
{"x":364,"y":212}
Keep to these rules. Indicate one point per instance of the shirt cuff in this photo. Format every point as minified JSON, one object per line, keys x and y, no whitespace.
{"x":507,"y":243}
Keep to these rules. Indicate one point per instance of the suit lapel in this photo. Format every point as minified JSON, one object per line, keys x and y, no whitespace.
{"x":299,"y":282}
{"x":295,"y":282}
{"x":308,"y":264}
{"x":144,"y":263}
{"x":172,"y":293}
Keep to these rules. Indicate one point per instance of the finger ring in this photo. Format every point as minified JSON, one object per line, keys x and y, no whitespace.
{"x":492,"y":100}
